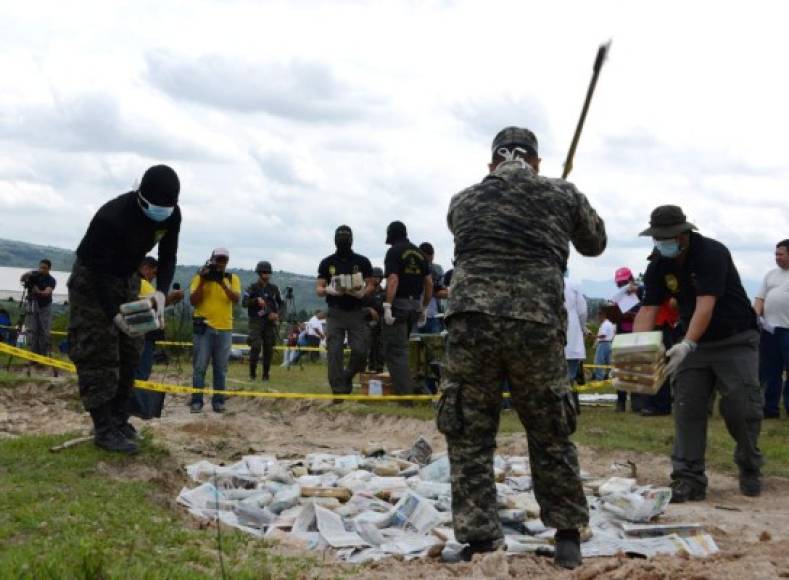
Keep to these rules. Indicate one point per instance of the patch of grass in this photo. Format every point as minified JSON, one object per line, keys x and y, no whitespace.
{"x":11,"y":378}
{"x":63,"y":516}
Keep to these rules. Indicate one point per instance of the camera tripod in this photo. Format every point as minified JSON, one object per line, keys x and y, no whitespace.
{"x":20,"y":324}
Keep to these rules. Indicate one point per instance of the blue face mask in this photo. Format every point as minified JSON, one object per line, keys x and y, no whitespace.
{"x":668,"y":248}
{"x":157,"y":213}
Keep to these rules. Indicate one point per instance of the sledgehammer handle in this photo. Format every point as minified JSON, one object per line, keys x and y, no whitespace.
{"x":602,"y":52}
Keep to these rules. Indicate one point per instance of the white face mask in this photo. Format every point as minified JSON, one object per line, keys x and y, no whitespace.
{"x":668,"y":248}
{"x":156,"y":213}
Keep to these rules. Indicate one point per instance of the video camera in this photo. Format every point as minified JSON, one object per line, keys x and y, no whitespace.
{"x":211,"y":273}
{"x":31,"y":279}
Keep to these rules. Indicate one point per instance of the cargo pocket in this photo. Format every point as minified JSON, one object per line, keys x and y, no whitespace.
{"x":449,"y":412}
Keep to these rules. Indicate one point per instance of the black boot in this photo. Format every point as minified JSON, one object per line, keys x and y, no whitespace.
{"x":468,"y":551}
{"x":120,"y":417}
{"x":253,"y":366}
{"x":106,"y":434}
{"x":266,"y":368}
{"x":568,"y":549}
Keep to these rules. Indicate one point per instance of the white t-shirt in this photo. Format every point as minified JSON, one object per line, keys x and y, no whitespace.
{"x":606,"y":331}
{"x":775,"y":293}
{"x":314,"y":327}
{"x":575,"y":303}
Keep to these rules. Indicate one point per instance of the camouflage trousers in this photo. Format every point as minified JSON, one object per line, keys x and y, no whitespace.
{"x":484,"y":351}
{"x":106,"y":359}
{"x":262,"y":336}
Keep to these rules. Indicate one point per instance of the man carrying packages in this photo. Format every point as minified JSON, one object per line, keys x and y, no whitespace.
{"x":101,"y":342}
{"x":345,"y":280}
{"x":720,"y":350}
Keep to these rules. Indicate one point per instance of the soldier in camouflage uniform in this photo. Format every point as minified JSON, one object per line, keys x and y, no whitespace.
{"x":512,"y":233}
{"x":263,"y":302}
{"x":105,"y":276}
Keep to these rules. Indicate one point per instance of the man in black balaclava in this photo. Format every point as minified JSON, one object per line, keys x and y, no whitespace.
{"x":345,"y":280}
{"x":101,"y":344}
{"x":409,"y":287}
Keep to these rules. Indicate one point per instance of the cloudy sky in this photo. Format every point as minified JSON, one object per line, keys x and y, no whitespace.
{"x":285,"y":119}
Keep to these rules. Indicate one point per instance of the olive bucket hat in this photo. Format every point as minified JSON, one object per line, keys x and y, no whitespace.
{"x":667,"y":221}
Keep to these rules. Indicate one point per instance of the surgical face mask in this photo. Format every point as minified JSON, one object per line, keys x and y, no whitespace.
{"x":668,"y":248}
{"x":156,"y":213}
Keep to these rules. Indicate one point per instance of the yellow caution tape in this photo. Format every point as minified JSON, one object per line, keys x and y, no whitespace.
{"x":181,"y":389}
{"x":189,"y":344}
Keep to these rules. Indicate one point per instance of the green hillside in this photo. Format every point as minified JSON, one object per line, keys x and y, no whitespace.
{"x":24,"y":255}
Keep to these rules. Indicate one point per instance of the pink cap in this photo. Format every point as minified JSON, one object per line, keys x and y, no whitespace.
{"x":623,"y":275}
{"x":220,"y":253}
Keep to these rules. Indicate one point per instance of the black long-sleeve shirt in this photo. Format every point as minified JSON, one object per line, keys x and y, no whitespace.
{"x":120,"y":236}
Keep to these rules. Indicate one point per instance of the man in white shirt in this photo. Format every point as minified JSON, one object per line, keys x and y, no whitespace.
{"x":605,"y":336}
{"x":772,"y":307}
{"x":315,"y":333}
{"x":575,"y":349}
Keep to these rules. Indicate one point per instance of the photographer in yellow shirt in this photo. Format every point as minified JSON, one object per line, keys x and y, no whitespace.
{"x":213,"y":292}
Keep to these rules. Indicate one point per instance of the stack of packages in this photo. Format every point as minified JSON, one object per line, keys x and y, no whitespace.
{"x":140,"y":316}
{"x":639,"y":363}
{"x":376,"y":504}
{"x":348,"y":282}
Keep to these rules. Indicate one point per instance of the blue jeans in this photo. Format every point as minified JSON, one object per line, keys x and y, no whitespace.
{"x":573,"y":364}
{"x":145,"y":366}
{"x":213,"y":345}
{"x":145,"y":404}
{"x":602,"y":356}
{"x":773,"y":361}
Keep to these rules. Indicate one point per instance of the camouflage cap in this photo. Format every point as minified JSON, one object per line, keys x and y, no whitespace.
{"x":510,"y":137}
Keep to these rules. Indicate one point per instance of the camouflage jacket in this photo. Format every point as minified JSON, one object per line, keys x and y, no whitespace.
{"x":512,"y":233}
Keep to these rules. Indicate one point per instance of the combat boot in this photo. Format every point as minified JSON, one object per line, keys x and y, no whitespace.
{"x":120,"y":419}
{"x":750,"y":483}
{"x":252,"y":371}
{"x":106,"y":434}
{"x":567,"y":553}
{"x":467,"y":552}
{"x":683,"y":490}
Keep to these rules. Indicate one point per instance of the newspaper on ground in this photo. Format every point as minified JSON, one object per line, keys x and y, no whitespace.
{"x":375,"y":504}
{"x":332,"y":529}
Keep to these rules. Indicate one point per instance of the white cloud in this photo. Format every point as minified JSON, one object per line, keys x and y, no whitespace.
{"x":286,"y":119}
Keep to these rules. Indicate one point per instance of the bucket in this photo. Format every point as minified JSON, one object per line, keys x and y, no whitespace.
{"x":376,"y":388}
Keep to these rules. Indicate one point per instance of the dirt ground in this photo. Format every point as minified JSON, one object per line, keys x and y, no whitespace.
{"x":753,"y":533}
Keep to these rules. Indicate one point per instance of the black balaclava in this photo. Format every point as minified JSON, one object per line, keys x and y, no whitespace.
{"x":343,"y":239}
{"x":160,"y":186}
{"x":396,"y":232}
